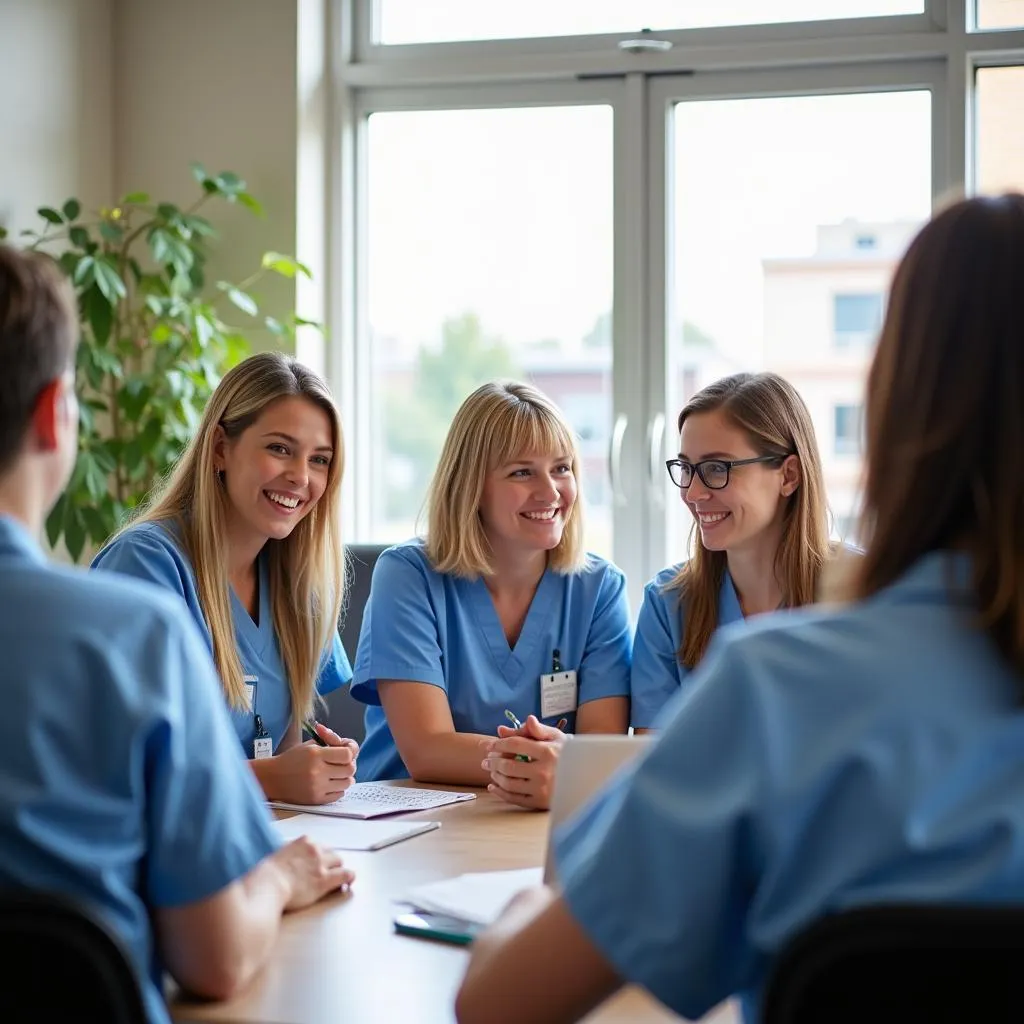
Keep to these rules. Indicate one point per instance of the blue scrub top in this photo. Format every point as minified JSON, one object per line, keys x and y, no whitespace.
{"x":151,"y":551}
{"x":657,"y":672}
{"x":817,"y":761}
{"x":120,"y":781}
{"x":435,"y":628}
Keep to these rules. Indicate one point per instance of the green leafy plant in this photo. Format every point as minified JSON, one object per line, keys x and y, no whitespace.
{"x":154,"y":341}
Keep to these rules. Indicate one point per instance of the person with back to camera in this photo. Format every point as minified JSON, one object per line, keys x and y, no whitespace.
{"x":246,"y":530}
{"x":498,"y":609}
{"x":829,"y":757}
{"x":750,"y":474}
{"x":120,"y":781}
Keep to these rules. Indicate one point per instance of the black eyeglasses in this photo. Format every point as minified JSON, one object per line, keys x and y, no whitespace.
{"x":713,"y":472}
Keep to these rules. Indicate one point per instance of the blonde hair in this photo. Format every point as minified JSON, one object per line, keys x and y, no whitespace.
{"x":497,"y":423}
{"x":770,"y":411}
{"x":306,"y":569}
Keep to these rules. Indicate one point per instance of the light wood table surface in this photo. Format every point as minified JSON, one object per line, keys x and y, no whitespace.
{"x":341,"y":960}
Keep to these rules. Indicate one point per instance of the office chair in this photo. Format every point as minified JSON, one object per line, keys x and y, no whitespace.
{"x":344,"y":713}
{"x":58,"y":961}
{"x":903,"y":964}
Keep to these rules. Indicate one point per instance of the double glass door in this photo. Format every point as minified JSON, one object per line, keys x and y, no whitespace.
{"x":621,"y":243}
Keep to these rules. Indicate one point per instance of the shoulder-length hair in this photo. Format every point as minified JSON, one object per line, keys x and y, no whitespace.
{"x":306,"y":569}
{"x":770,"y":411}
{"x":497,"y":423}
{"x":945,"y":413}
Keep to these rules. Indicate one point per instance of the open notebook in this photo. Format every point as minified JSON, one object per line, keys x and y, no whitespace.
{"x":371,"y":800}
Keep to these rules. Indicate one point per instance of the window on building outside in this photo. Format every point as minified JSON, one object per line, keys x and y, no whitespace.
{"x":856,"y":319}
{"x":849,"y":421}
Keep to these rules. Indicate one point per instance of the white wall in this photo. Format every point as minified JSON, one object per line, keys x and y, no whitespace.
{"x":55,"y":106}
{"x":213,"y":81}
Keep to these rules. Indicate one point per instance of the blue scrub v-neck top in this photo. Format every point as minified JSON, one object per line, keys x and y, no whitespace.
{"x":151,"y":551}
{"x":657,"y":673}
{"x":820,"y":759}
{"x":430,"y":627}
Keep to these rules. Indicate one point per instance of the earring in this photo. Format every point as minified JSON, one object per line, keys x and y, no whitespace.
{"x":220,"y":475}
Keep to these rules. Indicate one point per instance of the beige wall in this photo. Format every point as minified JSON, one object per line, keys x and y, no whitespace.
{"x":55,"y":105}
{"x":103,"y":97}
{"x":213,"y":81}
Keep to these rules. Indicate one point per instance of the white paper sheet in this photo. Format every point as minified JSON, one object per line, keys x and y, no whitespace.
{"x":479,"y":897}
{"x":348,"y":834}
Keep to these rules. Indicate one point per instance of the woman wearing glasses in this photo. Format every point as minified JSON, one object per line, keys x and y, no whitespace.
{"x":750,"y":474}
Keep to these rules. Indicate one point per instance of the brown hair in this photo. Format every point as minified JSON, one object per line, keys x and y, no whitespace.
{"x":306,"y":569}
{"x":773,"y":416}
{"x":945,"y":413}
{"x":498,"y":422}
{"x":38,"y":336}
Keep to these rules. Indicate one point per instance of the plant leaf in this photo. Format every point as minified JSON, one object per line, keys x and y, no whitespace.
{"x":108,"y":280}
{"x":72,"y":208}
{"x":49,"y":214}
{"x":111,"y":232}
{"x":85,"y":272}
{"x":100,"y":315}
{"x":55,"y":520}
{"x":286,"y":266}
{"x":79,"y":236}
{"x":74,"y":532}
{"x":135,"y":199}
{"x":243,"y":301}
{"x":198,"y":171}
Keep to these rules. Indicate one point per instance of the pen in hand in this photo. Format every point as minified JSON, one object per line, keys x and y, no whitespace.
{"x":516,"y":724}
{"x":310,"y":727}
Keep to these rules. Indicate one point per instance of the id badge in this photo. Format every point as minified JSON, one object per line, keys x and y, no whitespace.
{"x":558,"y":694}
{"x":262,"y":746}
{"x":250,"y":692}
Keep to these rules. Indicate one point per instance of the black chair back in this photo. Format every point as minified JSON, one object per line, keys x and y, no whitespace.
{"x":903,"y":964}
{"x":344,"y":714}
{"x":58,"y":961}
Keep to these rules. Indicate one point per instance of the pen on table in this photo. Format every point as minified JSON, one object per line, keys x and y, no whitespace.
{"x":310,"y":727}
{"x":516,"y":724}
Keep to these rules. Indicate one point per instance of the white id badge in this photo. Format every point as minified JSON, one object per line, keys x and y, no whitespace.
{"x":558,"y":694}
{"x":262,"y":746}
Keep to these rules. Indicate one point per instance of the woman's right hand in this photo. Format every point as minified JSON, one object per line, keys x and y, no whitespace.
{"x":311,"y":872}
{"x":311,"y":774}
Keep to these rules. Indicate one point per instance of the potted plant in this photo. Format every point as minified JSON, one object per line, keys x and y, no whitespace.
{"x":154,"y":341}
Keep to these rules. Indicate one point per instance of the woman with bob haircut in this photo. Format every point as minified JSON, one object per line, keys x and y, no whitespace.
{"x":828,"y":758}
{"x":499,"y":609}
{"x":246,"y":530}
{"x":749,"y":473}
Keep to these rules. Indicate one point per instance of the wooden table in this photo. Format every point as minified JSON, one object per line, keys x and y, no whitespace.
{"x":341,"y":960}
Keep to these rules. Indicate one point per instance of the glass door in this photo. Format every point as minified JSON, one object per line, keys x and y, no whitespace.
{"x":782,"y":219}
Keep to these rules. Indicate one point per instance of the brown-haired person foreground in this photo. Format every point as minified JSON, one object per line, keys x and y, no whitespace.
{"x":829,"y":758}
{"x":749,"y":473}
{"x":120,"y":780}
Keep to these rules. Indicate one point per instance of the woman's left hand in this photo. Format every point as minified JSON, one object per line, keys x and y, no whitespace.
{"x":525,"y":783}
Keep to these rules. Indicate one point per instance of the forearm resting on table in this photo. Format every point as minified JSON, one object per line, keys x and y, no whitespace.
{"x":451,"y":758}
{"x":213,"y":947}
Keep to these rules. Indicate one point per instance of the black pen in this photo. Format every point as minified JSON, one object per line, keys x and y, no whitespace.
{"x":310,"y":727}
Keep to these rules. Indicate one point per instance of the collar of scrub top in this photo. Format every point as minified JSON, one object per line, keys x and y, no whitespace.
{"x":16,"y":540}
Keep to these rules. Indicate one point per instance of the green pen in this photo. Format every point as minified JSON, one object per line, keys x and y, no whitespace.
{"x":516,"y":724}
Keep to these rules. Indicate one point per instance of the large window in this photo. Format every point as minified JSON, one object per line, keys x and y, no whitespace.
{"x":545,"y":190}
{"x":431,"y":21}
{"x":490,"y":256}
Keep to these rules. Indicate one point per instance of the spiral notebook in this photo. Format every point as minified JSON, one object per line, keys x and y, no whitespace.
{"x":371,"y":800}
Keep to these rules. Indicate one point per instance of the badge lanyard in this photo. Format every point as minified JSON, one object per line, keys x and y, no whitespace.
{"x":262,"y":744}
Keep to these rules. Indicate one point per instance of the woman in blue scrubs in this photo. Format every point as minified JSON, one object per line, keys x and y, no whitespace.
{"x":829,"y":758}
{"x":498,"y":609}
{"x":749,"y":473}
{"x":247,"y":532}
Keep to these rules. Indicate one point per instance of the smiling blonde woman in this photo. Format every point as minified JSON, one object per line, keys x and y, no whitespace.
{"x":498,"y":608}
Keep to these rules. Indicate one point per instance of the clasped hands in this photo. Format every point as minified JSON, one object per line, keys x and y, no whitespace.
{"x":525,"y":783}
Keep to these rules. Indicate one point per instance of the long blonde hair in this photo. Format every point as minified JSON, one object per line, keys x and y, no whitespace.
{"x":769,"y":410}
{"x":945,"y":414}
{"x":495,"y":424}
{"x":306,"y":569}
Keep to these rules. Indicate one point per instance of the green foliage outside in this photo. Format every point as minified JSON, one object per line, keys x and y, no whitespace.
{"x":154,"y":341}
{"x":416,"y":422}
